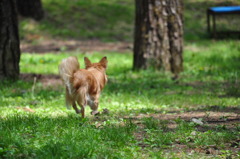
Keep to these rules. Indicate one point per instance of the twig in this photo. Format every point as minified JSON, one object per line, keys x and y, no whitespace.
{"x":33,"y":87}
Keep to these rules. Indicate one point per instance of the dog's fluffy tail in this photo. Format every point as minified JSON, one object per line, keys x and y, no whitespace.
{"x":66,"y":70}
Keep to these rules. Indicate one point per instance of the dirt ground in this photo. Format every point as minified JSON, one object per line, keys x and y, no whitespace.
{"x":50,"y":45}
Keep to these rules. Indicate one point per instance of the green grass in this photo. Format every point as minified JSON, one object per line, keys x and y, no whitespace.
{"x":146,"y":108}
{"x":84,"y":20}
{"x":42,"y":136}
{"x":209,"y":83}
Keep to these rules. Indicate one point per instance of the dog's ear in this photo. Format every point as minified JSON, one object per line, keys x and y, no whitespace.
{"x":87,"y":62}
{"x":104,"y":62}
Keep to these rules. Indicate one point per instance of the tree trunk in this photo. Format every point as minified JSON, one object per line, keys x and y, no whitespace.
{"x":30,"y":8}
{"x":9,"y":40}
{"x":175,"y":33}
{"x":158,"y":35}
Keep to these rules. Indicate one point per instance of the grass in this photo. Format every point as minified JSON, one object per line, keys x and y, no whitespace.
{"x":150,"y":116}
{"x":209,"y":84}
{"x":66,"y":136}
{"x":83,"y":20}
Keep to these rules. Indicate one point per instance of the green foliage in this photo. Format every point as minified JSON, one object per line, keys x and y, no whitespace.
{"x":209,"y":83}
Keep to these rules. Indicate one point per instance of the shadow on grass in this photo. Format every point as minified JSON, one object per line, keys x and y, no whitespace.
{"x":89,"y":20}
{"x":156,"y":86}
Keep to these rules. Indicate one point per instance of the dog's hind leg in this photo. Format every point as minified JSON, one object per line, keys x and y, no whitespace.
{"x":81,"y":99}
{"x":75,"y":108}
{"x":94,"y":104}
{"x":82,"y":104}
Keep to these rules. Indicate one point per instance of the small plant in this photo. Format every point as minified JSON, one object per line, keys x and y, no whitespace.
{"x":159,"y":138}
{"x":151,"y":123}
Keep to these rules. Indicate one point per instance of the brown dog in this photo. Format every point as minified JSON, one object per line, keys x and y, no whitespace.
{"x":83,"y":85}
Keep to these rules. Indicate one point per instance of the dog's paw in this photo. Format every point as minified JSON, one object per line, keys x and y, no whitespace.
{"x":95,"y":112}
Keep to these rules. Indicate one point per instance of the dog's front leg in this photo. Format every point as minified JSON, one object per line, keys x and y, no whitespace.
{"x":94,"y":107}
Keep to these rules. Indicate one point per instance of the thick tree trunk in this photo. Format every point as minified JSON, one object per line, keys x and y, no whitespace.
{"x":158,"y":35}
{"x":9,"y":40}
{"x":151,"y":45}
{"x":30,"y":8}
{"x":175,"y":33}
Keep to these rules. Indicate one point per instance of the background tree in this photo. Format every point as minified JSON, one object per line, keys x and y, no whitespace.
{"x":9,"y":36}
{"x":9,"y":40}
{"x":158,"y":41}
{"x":30,"y":8}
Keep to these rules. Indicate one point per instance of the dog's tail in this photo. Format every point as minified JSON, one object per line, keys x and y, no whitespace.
{"x":66,"y":70}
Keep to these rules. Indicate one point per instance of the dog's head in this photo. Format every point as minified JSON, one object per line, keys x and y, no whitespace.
{"x":101,"y":65}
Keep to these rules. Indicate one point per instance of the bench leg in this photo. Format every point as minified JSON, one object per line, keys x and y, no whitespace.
{"x":208,"y":21}
{"x":214,"y":25}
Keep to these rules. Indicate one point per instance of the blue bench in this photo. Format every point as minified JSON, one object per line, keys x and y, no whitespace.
{"x":213,"y":11}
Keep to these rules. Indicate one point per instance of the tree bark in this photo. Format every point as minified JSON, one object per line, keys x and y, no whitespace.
{"x":158,"y":35}
{"x":175,"y":33}
{"x":30,"y":8}
{"x":9,"y":40}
